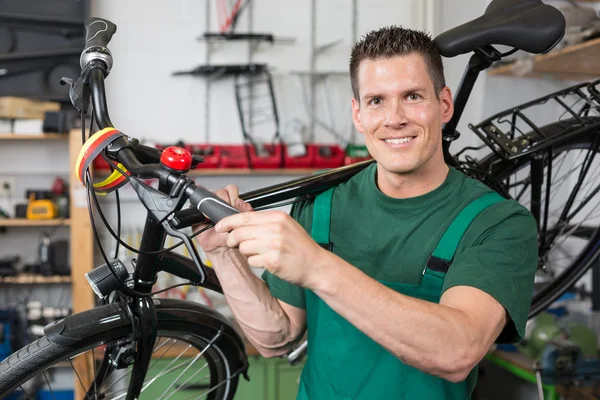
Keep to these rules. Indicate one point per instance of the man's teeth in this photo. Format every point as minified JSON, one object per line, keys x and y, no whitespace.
{"x":400,"y":140}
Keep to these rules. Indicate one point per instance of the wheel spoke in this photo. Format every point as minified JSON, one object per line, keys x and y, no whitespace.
{"x":49,"y":386}
{"x":148,"y":382}
{"x":213,"y":389}
{"x":187,"y":380}
{"x":25,"y":391}
{"x":192,"y":363}
{"x":153,"y":363}
{"x":78,"y":377}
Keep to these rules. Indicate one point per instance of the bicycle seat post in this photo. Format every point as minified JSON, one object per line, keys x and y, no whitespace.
{"x":481,"y":60}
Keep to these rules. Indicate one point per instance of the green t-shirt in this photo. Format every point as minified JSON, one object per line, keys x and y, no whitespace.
{"x":391,"y":239}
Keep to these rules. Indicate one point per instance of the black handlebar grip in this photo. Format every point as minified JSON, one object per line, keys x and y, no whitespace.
{"x":211,"y":205}
{"x":98,"y":32}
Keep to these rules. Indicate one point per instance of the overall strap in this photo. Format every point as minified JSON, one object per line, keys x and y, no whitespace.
{"x":441,"y":258}
{"x":321,"y":221}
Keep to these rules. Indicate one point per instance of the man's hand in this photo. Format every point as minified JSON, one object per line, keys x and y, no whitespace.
{"x":274,"y":241}
{"x":211,"y":241}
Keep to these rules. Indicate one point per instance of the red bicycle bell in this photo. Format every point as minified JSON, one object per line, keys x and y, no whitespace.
{"x":176,"y":159}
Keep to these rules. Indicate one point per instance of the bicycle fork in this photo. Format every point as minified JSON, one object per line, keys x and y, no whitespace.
{"x":137,"y":353}
{"x":144,"y":315}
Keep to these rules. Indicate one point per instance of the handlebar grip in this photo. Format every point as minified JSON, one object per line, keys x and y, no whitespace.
{"x":98,"y":32}
{"x":211,"y":205}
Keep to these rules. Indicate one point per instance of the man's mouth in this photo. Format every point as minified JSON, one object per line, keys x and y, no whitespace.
{"x":400,"y":140}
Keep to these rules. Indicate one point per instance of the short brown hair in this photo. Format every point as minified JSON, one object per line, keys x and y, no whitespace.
{"x":392,"y":41}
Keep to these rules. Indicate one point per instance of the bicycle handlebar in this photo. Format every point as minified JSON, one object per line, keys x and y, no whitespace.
{"x":145,"y":161}
{"x":98,"y":32}
{"x":210,"y":204}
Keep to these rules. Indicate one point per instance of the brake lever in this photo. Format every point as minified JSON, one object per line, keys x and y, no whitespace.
{"x":79,"y":90}
{"x":159,"y":205}
{"x":188,"y":243}
{"x":162,"y":207}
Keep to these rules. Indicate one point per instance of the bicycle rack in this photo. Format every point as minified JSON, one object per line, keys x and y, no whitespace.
{"x":520,"y":130}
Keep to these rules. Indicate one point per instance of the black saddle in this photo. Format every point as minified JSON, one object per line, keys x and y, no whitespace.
{"x":528,"y":25}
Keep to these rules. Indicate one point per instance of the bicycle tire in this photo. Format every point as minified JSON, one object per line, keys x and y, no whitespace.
{"x":45,"y":352}
{"x":501,"y":169}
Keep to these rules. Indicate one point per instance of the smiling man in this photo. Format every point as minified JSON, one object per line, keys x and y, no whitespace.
{"x":394,"y":307}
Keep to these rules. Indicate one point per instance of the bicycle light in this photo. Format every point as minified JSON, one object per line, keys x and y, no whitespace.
{"x":102,"y":280}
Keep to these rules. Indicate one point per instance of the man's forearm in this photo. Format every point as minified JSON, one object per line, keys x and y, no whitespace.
{"x":258,"y":313}
{"x":434,"y":338}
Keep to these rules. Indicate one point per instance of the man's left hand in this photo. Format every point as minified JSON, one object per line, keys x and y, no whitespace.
{"x":275,"y":241}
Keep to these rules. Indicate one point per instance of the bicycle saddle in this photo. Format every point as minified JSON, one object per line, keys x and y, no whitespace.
{"x":528,"y":25}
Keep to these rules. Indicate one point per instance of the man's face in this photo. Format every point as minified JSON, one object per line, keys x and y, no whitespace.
{"x":400,"y":114}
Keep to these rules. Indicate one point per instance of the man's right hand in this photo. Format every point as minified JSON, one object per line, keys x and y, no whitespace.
{"x":211,"y":241}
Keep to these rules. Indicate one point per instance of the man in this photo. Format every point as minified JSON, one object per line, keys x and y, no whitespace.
{"x":383,"y":320}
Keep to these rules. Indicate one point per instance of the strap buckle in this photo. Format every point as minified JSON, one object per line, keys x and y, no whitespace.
{"x":437,"y":264}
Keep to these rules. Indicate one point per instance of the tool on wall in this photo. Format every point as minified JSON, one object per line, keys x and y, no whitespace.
{"x":40,"y":205}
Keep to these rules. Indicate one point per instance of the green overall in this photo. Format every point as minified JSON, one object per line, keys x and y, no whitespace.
{"x":344,"y":363}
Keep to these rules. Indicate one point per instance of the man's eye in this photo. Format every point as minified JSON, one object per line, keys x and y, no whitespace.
{"x":414,"y":96}
{"x":376,"y":101}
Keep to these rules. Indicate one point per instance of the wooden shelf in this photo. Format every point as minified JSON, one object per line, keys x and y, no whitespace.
{"x":35,"y":279}
{"x":45,"y":136}
{"x":579,"y":62}
{"x":33,"y":222}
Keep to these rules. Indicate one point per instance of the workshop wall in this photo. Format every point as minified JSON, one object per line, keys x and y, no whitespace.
{"x":155,"y":39}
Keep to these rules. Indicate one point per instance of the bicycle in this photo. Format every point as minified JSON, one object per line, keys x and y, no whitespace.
{"x":121,"y":338}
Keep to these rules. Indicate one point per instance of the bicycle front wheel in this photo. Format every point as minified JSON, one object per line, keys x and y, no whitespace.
{"x":185,"y":365}
{"x":569,"y":220}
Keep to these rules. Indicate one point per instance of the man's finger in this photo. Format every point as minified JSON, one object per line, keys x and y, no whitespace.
{"x":259,"y":261}
{"x":245,"y":233}
{"x":250,"y":218}
{"x":234,"y":193}
{"x":223,"y":194}
{"x":254,"y":247}
{"x":243,"y":206}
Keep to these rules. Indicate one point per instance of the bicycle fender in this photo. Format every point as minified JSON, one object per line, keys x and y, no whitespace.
{"x":81,"y":329}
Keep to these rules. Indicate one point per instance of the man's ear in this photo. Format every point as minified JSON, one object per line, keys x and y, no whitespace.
{"x":447,"y":104}
{"x":356,"y":115}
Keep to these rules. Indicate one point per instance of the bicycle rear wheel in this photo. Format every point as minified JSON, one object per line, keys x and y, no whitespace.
{"x":185,"y":365}
{"x":569,"y":234}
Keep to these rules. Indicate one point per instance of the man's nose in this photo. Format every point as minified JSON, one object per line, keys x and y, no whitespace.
{"x":396,"y":116}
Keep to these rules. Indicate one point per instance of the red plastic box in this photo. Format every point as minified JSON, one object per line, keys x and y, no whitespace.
{"x":233,"y":156}
{"x":211,"y":160}
{"x":305,"y":161}
{"x":271,"y":161}
{"x":333,"y":160}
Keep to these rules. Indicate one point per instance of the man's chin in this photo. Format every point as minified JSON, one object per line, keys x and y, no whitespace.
{"x":397,"y":168}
